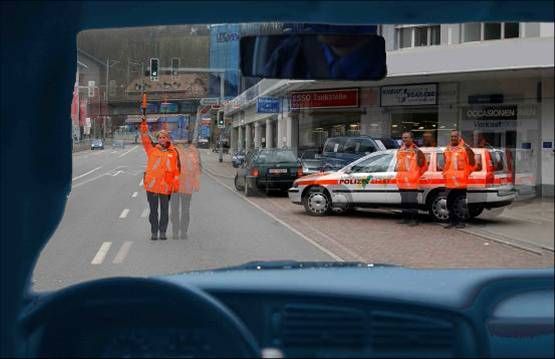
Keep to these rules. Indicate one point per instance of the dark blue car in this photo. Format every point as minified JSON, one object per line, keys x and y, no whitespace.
{"x":343,"y":150}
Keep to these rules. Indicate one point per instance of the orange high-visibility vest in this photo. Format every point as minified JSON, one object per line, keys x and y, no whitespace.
{"x":162,"y":172}
{"x":189,"y":177}
{"x":408,"y":171}
{"x":457,"y":166}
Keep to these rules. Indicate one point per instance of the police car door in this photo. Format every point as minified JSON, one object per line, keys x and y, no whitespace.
{"x":370,"y":180}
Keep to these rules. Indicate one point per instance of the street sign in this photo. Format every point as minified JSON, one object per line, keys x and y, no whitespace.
{"x":209,"y":101}
{"x":267,"y":105}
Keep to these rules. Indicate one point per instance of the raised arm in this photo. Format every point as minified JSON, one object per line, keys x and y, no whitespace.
{"x":145,"y":138}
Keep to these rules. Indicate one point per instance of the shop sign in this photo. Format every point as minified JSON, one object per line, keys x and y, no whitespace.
{"x":267,"y":105}
{"x":493,"y":117}
{"x":324,"y":99}
{"x":408,"y":95}
{"x":507,"y":112}
{"x":495,"y":98}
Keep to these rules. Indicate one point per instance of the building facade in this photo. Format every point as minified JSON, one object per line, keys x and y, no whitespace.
{"x":490,"y":78}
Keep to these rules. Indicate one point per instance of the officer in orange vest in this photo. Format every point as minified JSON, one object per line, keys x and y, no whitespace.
{"x":411,"y":164}
{"x":459,"y":164}
{"x":189,"y":182}
{"x":160,"y":179}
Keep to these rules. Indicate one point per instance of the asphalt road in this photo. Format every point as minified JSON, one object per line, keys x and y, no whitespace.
{"x":105,"y":230}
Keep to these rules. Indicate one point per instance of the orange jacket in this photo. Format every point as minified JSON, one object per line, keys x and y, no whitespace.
{"x":162,"y":169}
{"x":408,"y":169}
{"x":189,"y":177}
{"x":458,"y":165}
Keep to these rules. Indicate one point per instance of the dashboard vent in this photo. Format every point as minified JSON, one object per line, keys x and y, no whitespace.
{"x":399,"y":332}
{"x":311,"y":326}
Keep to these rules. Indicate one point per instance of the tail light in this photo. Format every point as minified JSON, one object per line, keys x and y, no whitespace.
{"x":255,"y":172}
{"x":299,"y":171}
{"x":490,"y":178}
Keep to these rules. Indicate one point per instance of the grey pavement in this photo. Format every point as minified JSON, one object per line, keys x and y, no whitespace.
{"x":105,"y":232}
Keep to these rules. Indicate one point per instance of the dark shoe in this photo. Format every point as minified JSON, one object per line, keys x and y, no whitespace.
{"x":460,"y":225}
{"x":154,"y":236}
{"x":163,"y":236}
{"x":450,"y":225}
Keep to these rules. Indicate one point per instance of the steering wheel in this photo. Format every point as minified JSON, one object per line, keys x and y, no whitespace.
{"x":93,"y":318}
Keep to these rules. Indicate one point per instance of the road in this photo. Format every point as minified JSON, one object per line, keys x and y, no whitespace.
{"x":105,"y":230}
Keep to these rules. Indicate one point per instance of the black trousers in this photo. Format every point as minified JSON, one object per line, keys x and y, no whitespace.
{"x":155,"y":200}
{"x":456,"y":207}
{"x":409,"y":203}
{"x":180,"y":213}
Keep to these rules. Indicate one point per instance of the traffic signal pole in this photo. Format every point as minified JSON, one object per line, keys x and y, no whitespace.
{"x":222,"y":87}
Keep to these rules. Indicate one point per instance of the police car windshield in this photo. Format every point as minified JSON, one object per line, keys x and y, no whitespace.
{"x":159,"y":113}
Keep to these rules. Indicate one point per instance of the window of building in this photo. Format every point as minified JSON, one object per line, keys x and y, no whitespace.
{"x":416,"y":36}
{"x":175,"y":66}
{"x":492,"y":31}
{"x":512,"y":30}
{"x":476,"y":31}
{"x":472,"y":31}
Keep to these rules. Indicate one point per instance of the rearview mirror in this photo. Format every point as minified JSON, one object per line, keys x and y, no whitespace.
{"x":314,"y":56}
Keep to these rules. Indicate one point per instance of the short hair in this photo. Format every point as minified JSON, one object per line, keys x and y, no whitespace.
{"x":409,"y":132}
{"x":163,"y":132}
{"x":457,"y":131}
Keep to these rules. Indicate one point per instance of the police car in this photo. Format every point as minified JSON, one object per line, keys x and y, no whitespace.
{"x":370,"y":182}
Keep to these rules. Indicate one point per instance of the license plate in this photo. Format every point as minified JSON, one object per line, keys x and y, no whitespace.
{"x":277,"y":170}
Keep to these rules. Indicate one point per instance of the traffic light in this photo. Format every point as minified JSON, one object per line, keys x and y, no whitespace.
{"x":154,"y":69}
{"x":221,"y":123}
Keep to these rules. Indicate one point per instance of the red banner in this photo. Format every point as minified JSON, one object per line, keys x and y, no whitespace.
{"x":324,"y":99}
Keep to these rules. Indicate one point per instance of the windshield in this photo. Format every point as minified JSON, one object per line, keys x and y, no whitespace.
{"x":165,"y":193}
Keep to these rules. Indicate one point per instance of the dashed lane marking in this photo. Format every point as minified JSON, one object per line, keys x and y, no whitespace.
{"x":122,"y":253}
{"x":134,"y":194}
{"x":101,"y":254}
{"x":85,"y":174}
{"x":124,"y":213}
{"x":145,"y":213}
{"x":141,"y":183}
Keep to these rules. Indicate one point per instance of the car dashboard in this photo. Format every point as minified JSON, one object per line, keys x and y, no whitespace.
{"x":341,"y":312}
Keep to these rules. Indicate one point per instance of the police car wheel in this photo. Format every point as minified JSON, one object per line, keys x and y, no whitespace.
{"x":438,"y":208}
{"x":317,"y":202}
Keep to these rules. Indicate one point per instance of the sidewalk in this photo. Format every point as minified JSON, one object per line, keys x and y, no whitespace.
{"x":211,"y":164}
{"x":527,"y":225}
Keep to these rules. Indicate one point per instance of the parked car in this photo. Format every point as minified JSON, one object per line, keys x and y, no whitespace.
{"x":238,"y":158}
{"x":97,"y":144}
{"x":351,"y":148}
{"x":203,"y":143}
{"x":370,"y":182}
{"x":267,"y":169}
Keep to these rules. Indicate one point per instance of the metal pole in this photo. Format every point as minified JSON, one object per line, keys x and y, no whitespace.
{"x":106,"y":98}
{"x":222,"y":87}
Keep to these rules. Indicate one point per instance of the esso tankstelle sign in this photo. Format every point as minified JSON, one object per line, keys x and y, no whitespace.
{"x":325,"y":99}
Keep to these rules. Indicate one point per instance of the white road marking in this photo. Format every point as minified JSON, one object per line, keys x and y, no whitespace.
{"x":145,"y":213}
{"x":117,"y":173}
{"x":124,"y":213}
{"x":122,"y":253}
{"x":101,"y":254}
{"x":84,"y":174}
{"x":123,"y":154}
{"x":134,"y":194}
{"x":292,"y":229}
{"x":141,"y":183}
